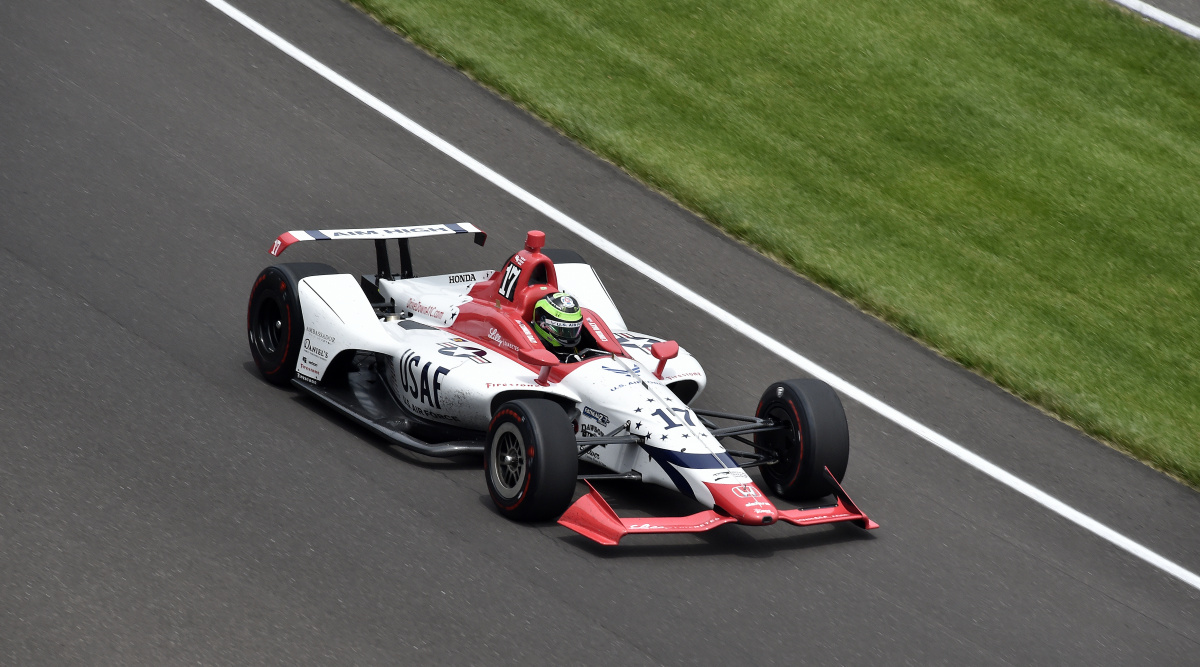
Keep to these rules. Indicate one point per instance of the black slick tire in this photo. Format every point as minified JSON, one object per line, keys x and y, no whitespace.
{"x":274,"y":323}
{"x":532,"y":462}
{"x":817,"y":437}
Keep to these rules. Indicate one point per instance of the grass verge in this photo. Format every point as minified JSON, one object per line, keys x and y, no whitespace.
{"x":1017,"y":183}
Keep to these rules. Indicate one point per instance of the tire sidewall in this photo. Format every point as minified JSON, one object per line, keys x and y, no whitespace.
{"x":551,"y":459}
{"x":274,"y":289}
{"x":277,"y":286}
{"x":818,"y":438}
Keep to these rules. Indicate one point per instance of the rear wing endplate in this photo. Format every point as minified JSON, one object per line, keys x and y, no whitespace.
{"x":377,"y":234}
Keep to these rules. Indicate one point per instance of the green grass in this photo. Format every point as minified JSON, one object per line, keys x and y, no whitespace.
{"x":1015,"y":182}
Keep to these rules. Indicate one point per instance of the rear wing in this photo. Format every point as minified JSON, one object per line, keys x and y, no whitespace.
{"x":379,"y":234}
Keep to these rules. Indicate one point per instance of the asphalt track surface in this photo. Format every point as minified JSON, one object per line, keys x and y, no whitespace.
{"x":1187,"y":10}
{"x":160,"y":504}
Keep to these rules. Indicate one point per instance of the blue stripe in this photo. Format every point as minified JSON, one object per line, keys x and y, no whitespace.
{"x":316,"y":234}
{"x":684,"y":460}
{"x":668,"y":459}
{"x":456,"y":227}
{"x":675,"y":476}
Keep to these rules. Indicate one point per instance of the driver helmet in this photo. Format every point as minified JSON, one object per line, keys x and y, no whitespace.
{"x":558,"y":320}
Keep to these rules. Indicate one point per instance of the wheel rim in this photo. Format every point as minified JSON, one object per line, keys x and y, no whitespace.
{"x":508,"y":464}
{"x":784,"y":443}
{"x":268,"y":327}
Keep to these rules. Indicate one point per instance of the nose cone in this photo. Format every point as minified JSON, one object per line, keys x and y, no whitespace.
{"x":744,"y":502}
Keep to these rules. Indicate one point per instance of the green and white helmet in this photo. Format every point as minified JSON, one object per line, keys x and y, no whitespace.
{"x":558,"y":320}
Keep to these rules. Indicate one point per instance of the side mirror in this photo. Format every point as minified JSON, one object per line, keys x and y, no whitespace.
{"x":541,"y":358}
{"x":667,"y":349}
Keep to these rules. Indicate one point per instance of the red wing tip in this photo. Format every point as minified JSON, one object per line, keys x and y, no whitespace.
{"x":280,"y":244}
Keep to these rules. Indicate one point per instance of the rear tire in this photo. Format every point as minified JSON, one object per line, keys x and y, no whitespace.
{"x":532,"y":461}
{"x":274,"y":323}
{"x":817,"y":437}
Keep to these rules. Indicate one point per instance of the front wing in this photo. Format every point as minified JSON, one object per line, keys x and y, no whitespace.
{"x":592,"y":517}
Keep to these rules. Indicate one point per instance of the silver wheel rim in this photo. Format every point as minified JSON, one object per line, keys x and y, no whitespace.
{"x":508,"y":469}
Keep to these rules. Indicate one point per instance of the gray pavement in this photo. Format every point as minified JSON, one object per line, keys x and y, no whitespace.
{"x":1188,"y":10}
{"x":160,"y":504}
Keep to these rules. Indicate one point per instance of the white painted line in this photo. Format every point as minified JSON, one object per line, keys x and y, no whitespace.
{"x":736,"y":323}
{"x":1156,"y":14}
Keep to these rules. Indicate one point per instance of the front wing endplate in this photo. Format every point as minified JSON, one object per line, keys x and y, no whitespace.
{"x":592,"y":517}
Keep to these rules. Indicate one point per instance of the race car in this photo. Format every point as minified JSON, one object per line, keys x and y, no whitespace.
{"x":454,"y":365}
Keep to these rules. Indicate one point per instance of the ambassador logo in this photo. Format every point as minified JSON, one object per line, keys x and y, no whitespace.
{"x":323,"y":336}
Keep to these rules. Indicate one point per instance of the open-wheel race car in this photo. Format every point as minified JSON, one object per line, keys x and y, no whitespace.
{"x":469,"y":363}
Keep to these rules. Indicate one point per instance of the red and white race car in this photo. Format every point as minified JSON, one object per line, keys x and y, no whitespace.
{"x":449,"y":365}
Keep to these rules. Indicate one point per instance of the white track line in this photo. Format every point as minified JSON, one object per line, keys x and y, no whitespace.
{"x":736,"y":323}
{"x":1156,"y":14}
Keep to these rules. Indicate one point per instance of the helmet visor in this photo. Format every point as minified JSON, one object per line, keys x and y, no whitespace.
{"x":566,"y":333}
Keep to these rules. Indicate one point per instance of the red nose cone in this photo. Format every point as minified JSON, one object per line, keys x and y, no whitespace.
{"x":535,"y":241}
{"x":744,"y":502}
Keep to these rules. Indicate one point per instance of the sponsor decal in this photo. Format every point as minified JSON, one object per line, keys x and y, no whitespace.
{"x":497,"y":385}
{"x":748,"y":491}
{"x":432,"y":414}
{"x":463,"y":278}
{"x":595,"y":327}
{"x":276,"y":247}
{"x":636,"y":370}
{"x":397,"y":230}
{"x":682,"y":375}
{"x":496,"y":338}
{"x":525,"y":329}
{"x":636,"y":341}
{"x":745,"y":491}
{"x":418,"y":307}
{"x":518,"y":259}
{"x":736,"y":473}
{"x":591,"y":431}
{"x":508,"y":283}
{"x":650,"y":526}
{"x":421,"y":382}
{"x":478,"y":355}
{"x":323,"y":336}
{"x":568,"y":303}
{"x":308,"y":346}
{"x":595,"y":415}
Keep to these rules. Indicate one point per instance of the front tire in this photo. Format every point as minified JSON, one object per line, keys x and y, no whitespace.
{"x":816,"y":438}
{"x":274,"y":323}
{"x":532,"y":461}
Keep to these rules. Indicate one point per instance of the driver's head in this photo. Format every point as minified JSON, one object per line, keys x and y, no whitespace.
{"x":558,"y":320}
